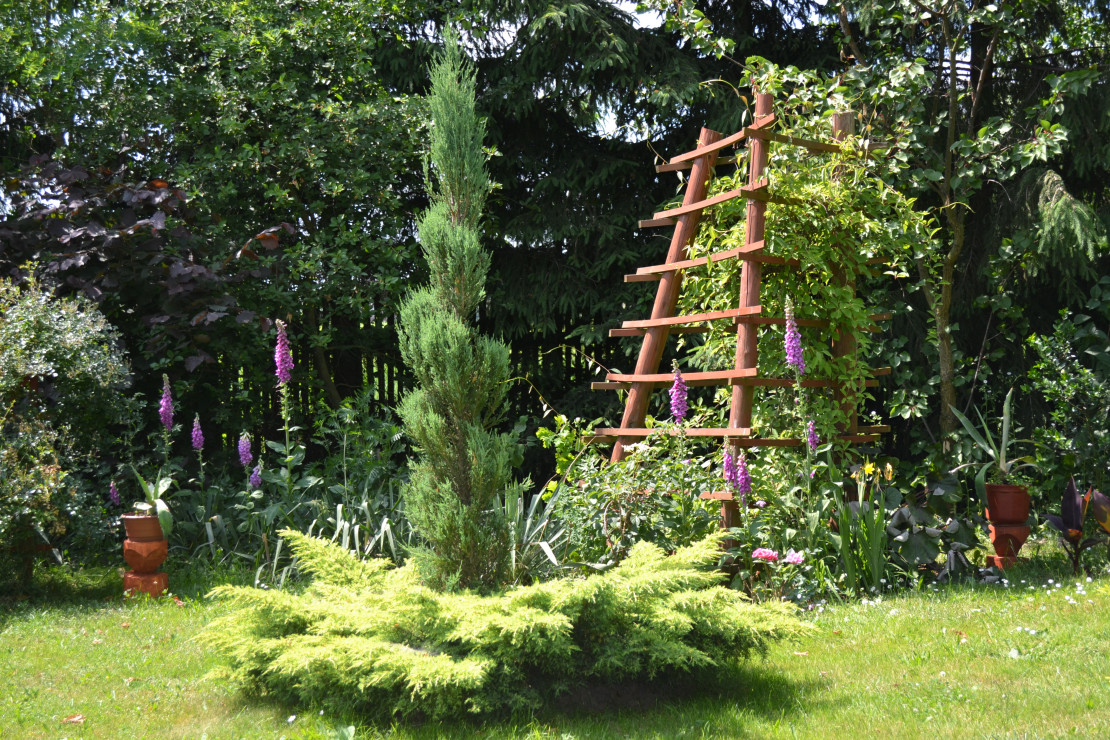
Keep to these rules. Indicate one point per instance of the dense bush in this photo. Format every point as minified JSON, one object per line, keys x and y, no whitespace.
{"x":61,"y":381}
{"x":371,"y":638}
{"x":653,"y":495}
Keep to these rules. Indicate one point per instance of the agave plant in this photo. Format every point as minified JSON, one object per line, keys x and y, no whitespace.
{"x":1073,"y":510}
{"x":998,"y":452}
{"x":154,"y":490}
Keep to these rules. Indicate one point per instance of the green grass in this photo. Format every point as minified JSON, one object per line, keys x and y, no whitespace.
{"x":963,"y":661}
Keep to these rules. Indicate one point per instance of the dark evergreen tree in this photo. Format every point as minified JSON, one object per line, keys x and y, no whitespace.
{"x":464,"y":465}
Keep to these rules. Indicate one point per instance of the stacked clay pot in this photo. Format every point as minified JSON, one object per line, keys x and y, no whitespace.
{"x":145,"y":550}
{"x":1008,"y":513}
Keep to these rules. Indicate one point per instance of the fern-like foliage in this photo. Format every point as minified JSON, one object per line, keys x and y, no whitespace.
{"x":1063,"y":236}
{"x":370,"y":638}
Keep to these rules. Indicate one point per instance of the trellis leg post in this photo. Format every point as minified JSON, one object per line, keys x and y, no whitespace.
{"x":844,"y":346}
{"x":666,"y":295}
{"x":747,"y":353}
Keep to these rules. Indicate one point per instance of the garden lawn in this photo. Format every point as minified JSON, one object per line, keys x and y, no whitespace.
{"x":1024,"y":660}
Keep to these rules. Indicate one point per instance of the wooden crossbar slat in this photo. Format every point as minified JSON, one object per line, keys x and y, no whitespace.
{"x":818,"y":146}
{"x":759,"y":192}
{"x":651,"y":223}
{"x":731,"y":313}
{"x":672,"y":330}
{"x":712,"y":377}
{"x":724,"y":143}
{"x":698,"y":262}
{"x":736,"y":437}
{"x":651,"y":273}
{"x":815,"y":323}
{"x":699,"y":206}
{"x":604,"y":385}
{"x":679,"y":166}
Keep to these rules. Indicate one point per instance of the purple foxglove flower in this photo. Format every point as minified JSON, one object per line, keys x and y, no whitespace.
{"x":793,"y":340}
{"x":245,"y":456}
{"x":113,"y":494}
{"x":165,"y":408}
{"x":256,"y":476}
{"x":737,"y":476}
{"x":730,"y":469}
{"x":679,"y":406}
{"x":198,"y":435}
{"x":283,"y":357}
{"x":811,"y":436}
{"x":743,"y":477}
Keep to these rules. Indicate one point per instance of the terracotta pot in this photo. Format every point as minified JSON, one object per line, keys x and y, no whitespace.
{"x":1007,"y":504}
{"x":142,"y":527}
{"x":145,"y":549}
{"x":144,"y":556}
{"x":1008,"y":539}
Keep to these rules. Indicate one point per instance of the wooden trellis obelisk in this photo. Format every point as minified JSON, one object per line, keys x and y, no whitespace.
{"x":747,"y":315}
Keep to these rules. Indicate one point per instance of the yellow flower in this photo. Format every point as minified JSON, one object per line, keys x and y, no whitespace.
{"x":869,"y":468}
{"x":888,"y":472}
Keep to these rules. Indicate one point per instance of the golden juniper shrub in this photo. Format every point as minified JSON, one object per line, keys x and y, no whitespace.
{"x":367,"y":637}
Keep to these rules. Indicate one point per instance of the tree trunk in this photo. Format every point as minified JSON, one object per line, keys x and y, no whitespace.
{"x":320,"y":361}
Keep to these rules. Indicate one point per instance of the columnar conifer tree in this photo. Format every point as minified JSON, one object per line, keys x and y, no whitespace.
{"x":464,"y":465}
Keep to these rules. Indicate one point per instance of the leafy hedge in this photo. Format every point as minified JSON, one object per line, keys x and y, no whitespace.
{"x":369,"y":638}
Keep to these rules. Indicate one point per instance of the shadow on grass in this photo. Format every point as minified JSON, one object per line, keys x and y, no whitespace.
{"x":63,"y":586}
{"x":713,"y":699}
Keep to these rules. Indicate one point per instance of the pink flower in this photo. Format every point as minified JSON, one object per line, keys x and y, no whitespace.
{"x":811,"y":436}
{"x":113,"y":494}
{"x":760,"y":504}
{"x":765,"y":554}
{"x":198,"y":434}
{"x":283,"y":357}
{"x":245,"y":456}
{"x":793,"y":340}
{"x":794,"y":557}
{"x":165,"y":407}
{"x":679,"y":406}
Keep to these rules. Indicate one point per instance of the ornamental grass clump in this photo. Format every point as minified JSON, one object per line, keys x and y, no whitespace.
{"x":369,"y":638}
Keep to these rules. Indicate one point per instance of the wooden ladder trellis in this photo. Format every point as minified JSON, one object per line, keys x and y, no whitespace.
{"x":748,"y":315}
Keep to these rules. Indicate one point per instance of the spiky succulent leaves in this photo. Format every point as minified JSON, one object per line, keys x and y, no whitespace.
{"x":368,"y":638}
{"x":463,"y":465}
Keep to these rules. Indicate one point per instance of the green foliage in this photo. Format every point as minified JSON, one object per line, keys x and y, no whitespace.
{"x":61,"y":376}
{"x":369,"y":638}
{"x":1073,"y":364}
{"x":652,"y":495}
{"x":153,"y":503}
{"x":1000,"y":459}
{"x":464,"y":465}
{"x":60,"y":359}
{"x":1063,"y":236}
{"x":844,"y":218}
{"x":363,"y":474}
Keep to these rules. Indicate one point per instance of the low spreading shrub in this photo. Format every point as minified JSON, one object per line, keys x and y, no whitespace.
{"x":367,"y":637}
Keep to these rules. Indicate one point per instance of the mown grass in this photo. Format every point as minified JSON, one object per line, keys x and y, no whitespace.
{"x":1027,"y":659}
